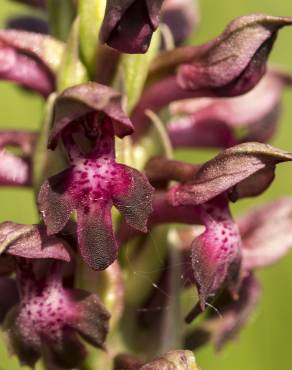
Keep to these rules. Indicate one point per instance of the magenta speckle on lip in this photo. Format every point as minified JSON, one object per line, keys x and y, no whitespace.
{"x":216,"y":249}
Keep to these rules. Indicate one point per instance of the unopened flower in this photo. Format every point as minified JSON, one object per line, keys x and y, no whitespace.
{"x":128,"y":25}
{"x":230,"y":65}
{"x":29,"y":59}
{"x":94,"y":182}
{"x":266,"y":238}
{"x":48,"y":320}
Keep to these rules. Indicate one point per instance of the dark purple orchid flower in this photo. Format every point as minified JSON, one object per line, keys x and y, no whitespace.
{"x":230,"y":65}
{"x":24,"y":241}
{"x":48,"y":320}
{"x":183,"y":360}
{"x":266,"y":238}
{"x":94,"y":182}
{"x":212,"y":122}
{"x":16,"y":170}
{"x":243,"y":170}
{"x":29,"y":59}
{"x":182,"y":18}
{"x":128,"y":25}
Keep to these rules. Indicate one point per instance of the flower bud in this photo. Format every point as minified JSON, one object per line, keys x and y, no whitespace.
{"x":128,"y":25}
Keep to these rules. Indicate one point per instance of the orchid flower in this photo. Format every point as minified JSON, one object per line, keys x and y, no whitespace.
{"x":94,"y":182}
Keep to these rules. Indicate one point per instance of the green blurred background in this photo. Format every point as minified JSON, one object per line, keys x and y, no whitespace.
{"x":266,"y":343}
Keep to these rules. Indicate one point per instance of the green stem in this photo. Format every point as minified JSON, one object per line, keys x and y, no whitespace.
{"x":61,"y":15}
{"x":91,"y":13}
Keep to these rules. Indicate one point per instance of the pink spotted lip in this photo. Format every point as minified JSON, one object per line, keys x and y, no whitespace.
{"x":216,"y":250}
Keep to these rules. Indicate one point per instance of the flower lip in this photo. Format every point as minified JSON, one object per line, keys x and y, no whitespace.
{"x":77,"y":101}
{"x":216,"y":254}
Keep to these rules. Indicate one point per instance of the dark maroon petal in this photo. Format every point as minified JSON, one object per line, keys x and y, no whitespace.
{"x":55,"y":201}
{"x":217,"y":251}
{"x":25,"y":350}
{"x":128,"y":24}
{"x":234,"y":62}
{"x":132,"y":196}
{"x":181,"y":16}
{"x":228,"y":169}
{"x":66,"y":352}
{"x":266,"y":233}
{"x":96,"y":240}
{"x":8,"y":296}
{"x":31,"y":241}
{"x":234,"y":315}
{"x":93,"y":320}
{"x":253,"y":185}
{"x":77,"y":101}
